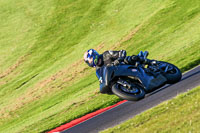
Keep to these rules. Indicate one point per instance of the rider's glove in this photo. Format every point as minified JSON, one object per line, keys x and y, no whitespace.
{"x":127,"y":59}
{"x":118,"y":61}
{"x":131,"y":59}
{"x":135,"y":58}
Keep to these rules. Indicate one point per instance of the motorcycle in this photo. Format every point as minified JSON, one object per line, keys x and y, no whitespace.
{"x":133,"y":82}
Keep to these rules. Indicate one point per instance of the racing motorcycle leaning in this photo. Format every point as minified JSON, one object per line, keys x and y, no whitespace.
{"x":132,"y":82}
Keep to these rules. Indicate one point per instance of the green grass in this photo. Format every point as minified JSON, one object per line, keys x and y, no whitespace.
{"x":179,"y":115}
{"x":43,"y":79}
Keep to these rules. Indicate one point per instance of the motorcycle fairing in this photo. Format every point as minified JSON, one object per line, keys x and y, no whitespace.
{"x":108,"y":73}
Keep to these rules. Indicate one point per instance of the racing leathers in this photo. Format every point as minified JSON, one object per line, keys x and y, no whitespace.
{"x":111,"y":58}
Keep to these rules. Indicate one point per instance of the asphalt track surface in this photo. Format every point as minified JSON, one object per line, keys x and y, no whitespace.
{"x":129,"y":109}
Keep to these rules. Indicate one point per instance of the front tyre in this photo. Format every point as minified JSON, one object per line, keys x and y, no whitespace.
{"x":171,"y":72}
{"x":135,"y":93}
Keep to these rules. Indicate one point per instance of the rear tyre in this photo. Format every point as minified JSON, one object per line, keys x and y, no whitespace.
{"x":134,"y":94}
{"x":171,"y":72}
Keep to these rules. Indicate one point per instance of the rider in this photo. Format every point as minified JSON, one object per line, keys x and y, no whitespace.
{"x":96,"y":60}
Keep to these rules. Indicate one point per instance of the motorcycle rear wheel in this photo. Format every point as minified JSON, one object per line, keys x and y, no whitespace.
{"x":138,"y":92}
{"x":174,"y":75}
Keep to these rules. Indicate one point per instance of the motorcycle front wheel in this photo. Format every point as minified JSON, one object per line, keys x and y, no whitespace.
{"x":135,"y":93}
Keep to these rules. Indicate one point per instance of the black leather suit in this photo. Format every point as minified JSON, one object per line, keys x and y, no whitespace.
{"x":109,"y":58}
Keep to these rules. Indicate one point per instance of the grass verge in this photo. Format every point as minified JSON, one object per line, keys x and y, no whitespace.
{"x":43,"y":79}
{"x":181,"y":114}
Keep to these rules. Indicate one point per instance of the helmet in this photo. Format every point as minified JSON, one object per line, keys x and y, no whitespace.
{"x":91,"y":57}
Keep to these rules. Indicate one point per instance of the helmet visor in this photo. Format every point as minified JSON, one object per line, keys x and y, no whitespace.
{"x":89,"y":61}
